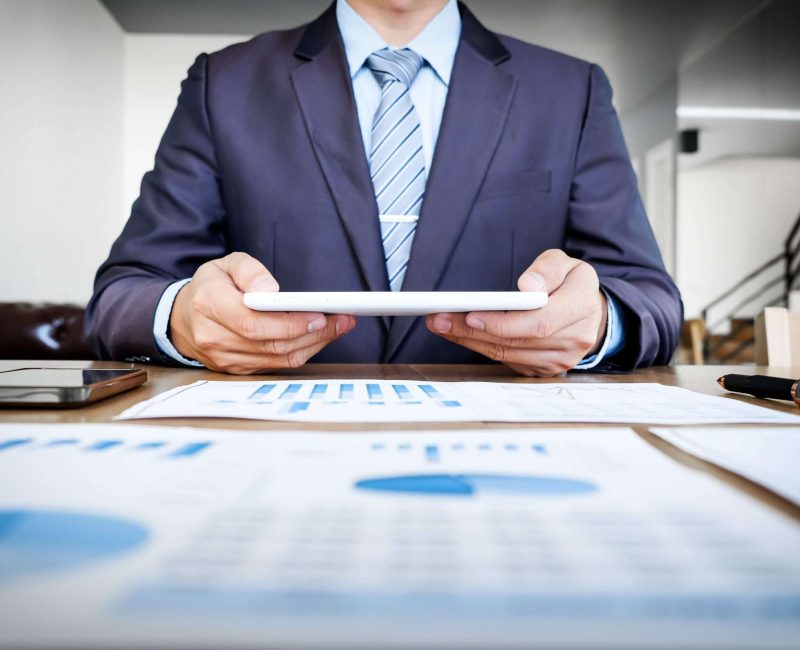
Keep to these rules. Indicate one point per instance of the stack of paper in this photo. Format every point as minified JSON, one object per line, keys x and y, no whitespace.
{"x":148,"y":536}
{"x":768,"y":456}
{"x":410,"y":401}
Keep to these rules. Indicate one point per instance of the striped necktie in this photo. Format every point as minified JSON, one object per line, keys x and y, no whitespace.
{"x":396,"y":162}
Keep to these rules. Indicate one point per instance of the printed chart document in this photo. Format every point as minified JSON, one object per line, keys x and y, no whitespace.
{"x":769,"y":457}
{"x":414,"y":401}
{"x":130,"y":536}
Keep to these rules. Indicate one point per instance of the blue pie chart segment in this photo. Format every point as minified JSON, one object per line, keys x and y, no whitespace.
{"x":470,"y":484}
{"x":41,"y":541}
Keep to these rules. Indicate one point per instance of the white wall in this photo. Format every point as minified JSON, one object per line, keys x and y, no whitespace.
{"x":155,"y":65}
{"x":733,"y":215}
{"x":61,"y":71}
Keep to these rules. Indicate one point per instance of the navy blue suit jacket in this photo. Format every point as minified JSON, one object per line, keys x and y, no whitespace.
{"x":264,"y":155}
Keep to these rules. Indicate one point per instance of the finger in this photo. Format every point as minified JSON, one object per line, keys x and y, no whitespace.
{"x":223,"y":304}
{"x":577,"y":298}
{"x":247,"y":273}
{"x":335,"y":326}
{"x":248,"y":364}
{"x":545,"y":363}
{"x":579,"y":335}
{"x":547,"y":272}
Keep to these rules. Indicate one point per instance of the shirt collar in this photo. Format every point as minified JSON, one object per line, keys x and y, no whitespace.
{"x":437,"y":43}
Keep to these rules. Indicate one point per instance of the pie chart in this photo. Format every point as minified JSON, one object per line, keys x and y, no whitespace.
{"x":472,"y":484}
{"x":41,"y":541}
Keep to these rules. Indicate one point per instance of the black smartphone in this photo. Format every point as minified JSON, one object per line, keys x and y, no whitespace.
{"x":65,"y":387}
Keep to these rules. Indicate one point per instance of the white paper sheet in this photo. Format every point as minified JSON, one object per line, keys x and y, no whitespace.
{"x":767,"y":456}
{"x":115,"y":535}
{"x":413,"y":401}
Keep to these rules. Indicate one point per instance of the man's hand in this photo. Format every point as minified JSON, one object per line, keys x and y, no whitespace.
{"x":210,"y":323}
{"x":544,"y":341}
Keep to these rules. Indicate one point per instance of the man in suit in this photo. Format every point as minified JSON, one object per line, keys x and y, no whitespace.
{"x":387,"y":145}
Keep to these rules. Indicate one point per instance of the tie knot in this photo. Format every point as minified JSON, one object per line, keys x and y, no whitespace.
{"x":395,"y":65}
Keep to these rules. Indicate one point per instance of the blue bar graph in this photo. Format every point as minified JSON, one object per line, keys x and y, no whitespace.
{"x":539,"y":449}
{"x":260,"y":392}
{"x":151,"y":445}
{"x":450,"y":403}
{"x":291,"y":391}
{"x":191,"y":449}
{"x":318,"y":392}
{"x":346,"y":391}
{"x":402,"y":391}
{"x":298,"y":406}
{"x":103,"y":445}
{"x":374,"y":391}
{"x":429,"y":390}
{"x":432,"y":453}
{"x":62,"y":442}
{"x":9,"y":444}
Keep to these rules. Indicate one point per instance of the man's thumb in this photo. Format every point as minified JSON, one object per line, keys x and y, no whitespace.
{"x":249,"y":274}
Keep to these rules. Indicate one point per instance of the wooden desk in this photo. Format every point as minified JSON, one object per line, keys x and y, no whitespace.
{"x":697,"y":378}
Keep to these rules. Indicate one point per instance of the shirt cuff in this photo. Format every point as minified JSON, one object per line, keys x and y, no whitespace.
{"x":615,"y":336}
{"x":161,"y":324}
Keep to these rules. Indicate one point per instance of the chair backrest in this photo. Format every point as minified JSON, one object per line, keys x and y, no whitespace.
{"x":778,"y":337}
{"x":42,"y":331}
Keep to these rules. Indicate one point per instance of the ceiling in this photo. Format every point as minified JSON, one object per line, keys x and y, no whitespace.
{"x":640,"y":43}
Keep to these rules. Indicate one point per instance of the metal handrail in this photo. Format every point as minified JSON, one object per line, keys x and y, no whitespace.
{"x":753,"y":274}
{"x":789,"y":258}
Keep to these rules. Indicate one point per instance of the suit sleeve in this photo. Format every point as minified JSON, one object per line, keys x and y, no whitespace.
{"x":608,"y":228}
{"x":176,"y":224}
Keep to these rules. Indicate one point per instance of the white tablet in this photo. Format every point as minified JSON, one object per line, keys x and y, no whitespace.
{"x":396,"y":303}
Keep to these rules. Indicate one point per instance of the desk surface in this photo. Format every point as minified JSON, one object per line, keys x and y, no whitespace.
{"x":697,"y":378}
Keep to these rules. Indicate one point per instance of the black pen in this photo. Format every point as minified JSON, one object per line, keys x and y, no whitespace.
{"x":762,"y":386}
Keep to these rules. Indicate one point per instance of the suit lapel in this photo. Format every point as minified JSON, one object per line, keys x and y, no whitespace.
{"x":475,"y":113}
{"x":324,"y":92}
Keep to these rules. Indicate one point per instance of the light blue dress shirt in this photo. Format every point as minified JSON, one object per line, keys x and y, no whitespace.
{"x":437,"y":44}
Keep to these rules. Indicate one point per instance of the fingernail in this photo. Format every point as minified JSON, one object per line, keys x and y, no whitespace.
{"x":442,"y":324}
{"x":532,"y":281}
{"x":475,"y":323}
{"x":317,"y":324}
{"x":265,"y":283}
{"x":341,"y":324}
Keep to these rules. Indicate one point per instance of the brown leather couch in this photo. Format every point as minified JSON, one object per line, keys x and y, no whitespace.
{"x":42,"y":331}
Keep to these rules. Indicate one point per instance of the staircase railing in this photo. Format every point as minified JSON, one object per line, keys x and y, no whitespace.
{"x":755,"y":290}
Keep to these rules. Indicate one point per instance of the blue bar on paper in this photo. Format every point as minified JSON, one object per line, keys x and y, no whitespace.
{"x":62,"y":442}
{"x":374,"y":391}
{"x":8,"y":444}
{"x":346,"y":391}
{"x":266,"y":389}
{"x":402,"y":391}
{"x":151,"y":445}
{"x":485,"y":446}
{"x":298,"y":406}
{"x":378,"y":445}
{"x":192,"y":449}
{"x":404,"y":447}
{"x":318,"y":392}
{"x":539,"y":449}
{"x":429,"y":390}
{"x":291,"y":391}
{"x":511,"y":447}
{"x":450,"y":403}
{"x":458,"y":446}
{"x":432,"y":453}
{"x":103,"y":445}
